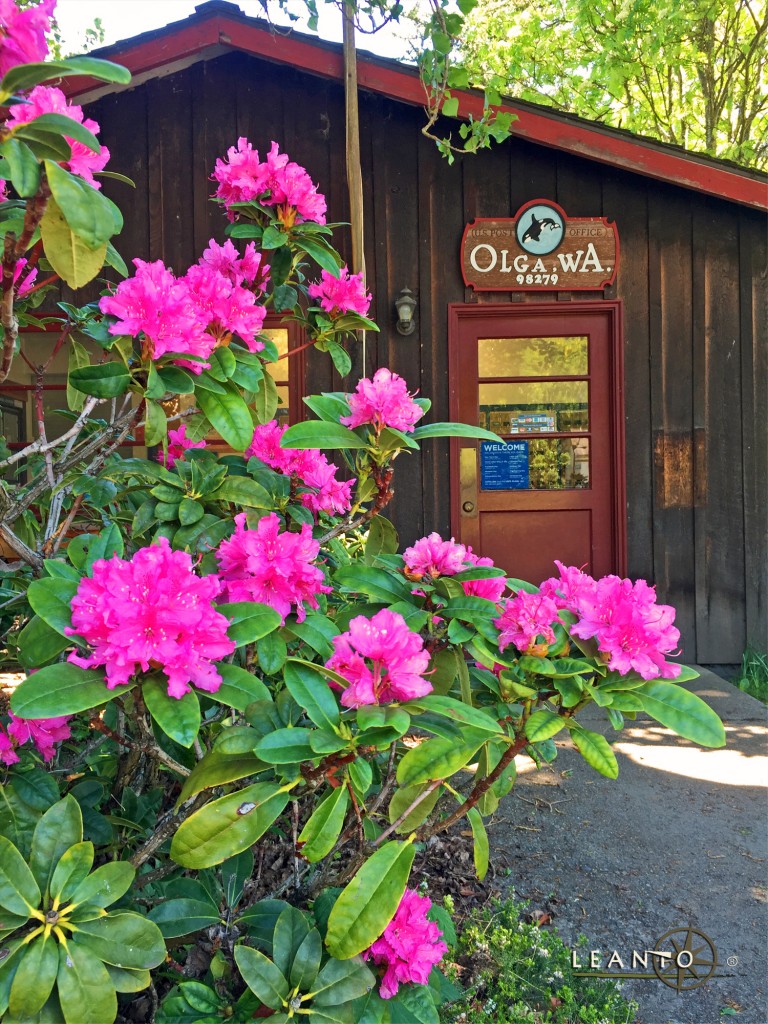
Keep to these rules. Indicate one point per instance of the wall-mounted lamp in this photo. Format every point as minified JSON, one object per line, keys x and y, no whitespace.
{"x":405,"y":304}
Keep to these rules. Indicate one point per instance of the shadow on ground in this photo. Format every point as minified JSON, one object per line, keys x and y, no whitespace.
{"x":678,"y":841}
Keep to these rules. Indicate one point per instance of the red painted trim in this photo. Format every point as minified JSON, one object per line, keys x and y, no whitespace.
{"x":402,"y":83}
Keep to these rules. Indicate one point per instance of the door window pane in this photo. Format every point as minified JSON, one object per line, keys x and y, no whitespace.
{"x":541,"y":407}
{"x":535,"y":464}
{"x":533,"y":357}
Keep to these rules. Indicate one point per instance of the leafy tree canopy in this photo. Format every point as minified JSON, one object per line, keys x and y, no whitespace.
{"x":690,"y":72}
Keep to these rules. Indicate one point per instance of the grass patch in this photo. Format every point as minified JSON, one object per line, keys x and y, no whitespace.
{"x":515,"y":972}
{"x":753,"y":675}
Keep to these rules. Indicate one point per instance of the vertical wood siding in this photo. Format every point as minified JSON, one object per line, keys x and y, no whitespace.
{"x":692,"y":279}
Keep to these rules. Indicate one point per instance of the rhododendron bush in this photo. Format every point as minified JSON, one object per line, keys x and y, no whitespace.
{"x":227,"y":654}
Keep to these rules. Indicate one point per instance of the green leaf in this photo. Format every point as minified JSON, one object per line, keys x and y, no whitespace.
{"x":24,"y":76}
{"x":190,"y":511}
{"x":179,"y":718}
{"x":238,"y":688}
{"x":480,"y":837}
{"x":180,"y":917}
{"x":438,"y":758}
{"x":243,"y":491}
{"x":322,"y":254}
{"x":104,"y":545}
{"x":450,"y":107}
{"x":378,"y":584}
{"x":86,"y":210}
{"x":228,"y":825}
{"x":272,"y":652}
{"x":595,"y":749}
{"x":457,"y":711}
{"x":105,"y":885}
{"x":261,"y":976}
{"x":59,"y":828}
{"x":368,"y":903}
{"x":128,"y":981}
{"x":341,"y":981}
{"x":285,"y":746}
{"x":310,"y":690}
{"x":319,"y":434}
{"x":34,"y":978}
{"x":291,"y":928}
{"x":51,"y":599}
{"x":71,"y":870}
{"x":86,"y":993}
{"x":402,"y":800}
{"x":124,"y":939}
{"x":266,"y":399}
{"x":25,"y":169}
{"x":216,"y":769}
{"x":19,"y":892}
{"x":105,"y":380}
{"x":542,"y":725}
{"x":38,"y":643}
{"x":307,"y":961}
{"x":229,"y":415}
{"x":682,"y":712}
{"x":249,"y":621}
{"x":175,"y":380}
{"x":36,"y":788}
{"x":324,"y":825}
{"x":61,"y":690}
{"x":383,"y":716}
{"x":453,"y":430}
{"x":75,"y":262}
{"x":156,"y":423}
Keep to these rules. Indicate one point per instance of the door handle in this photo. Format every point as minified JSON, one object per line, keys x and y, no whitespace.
{"x":468,"y":482}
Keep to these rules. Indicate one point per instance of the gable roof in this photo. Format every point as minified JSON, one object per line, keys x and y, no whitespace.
{"x":219,"y":27}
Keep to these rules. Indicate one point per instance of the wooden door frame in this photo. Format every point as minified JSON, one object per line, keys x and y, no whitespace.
{"x":459,"y":313}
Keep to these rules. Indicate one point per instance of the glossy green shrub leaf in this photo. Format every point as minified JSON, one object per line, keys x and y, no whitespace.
{"x":86,"y":993}
{"x":249,"y":621}
{"x":124,"y":939}
{"x":453,"y":430}
{"x":19,"y":892}
{"x":324,"y":825}
{"x":24,"y":76}
{"x":128,"y":981}
{"x":72,"y":869}
{"x":216,"y":769}
{"x":457,"y":711}
{"x":403,"y":798}
{"x":105,"y":885}
{"x":542,"y":725}
{"x":480,"y":837}
{"x":368,"y":903}
{"x":596,"y":750}
{"x":59,"y":828}
{"x":61,"y":690}
{"x":37,"y":788}
{"x":272,"y":652}
{"x":179,"y":718}
{"x":382,"y":716}
{"x":86,"y":210}
{"x":228,"y":825}
{"x":238,"y":688}
{"x":243,"y":491}
{"x":155,"y":423}
{"x":340,"y":982}
{"x":180,"y":917}
{"x":682,"y":712}
{"x":262,"y":977}
{"x":104,"y":380}
{"x":378,"y":584}
{"x":24,"y":166}
{"x":229,"y":415}
{"x":105,"y":544}
{"x":285,"y":746}
{"x":319,"y":434}
{"x":309,"y":689}
{"x":39,"y":643}
{"x":438,"y":758}
{"x":51,"y":599}
{"x":34,"y":978}
{"x":306,"y":962}
{"x":291,"y":929}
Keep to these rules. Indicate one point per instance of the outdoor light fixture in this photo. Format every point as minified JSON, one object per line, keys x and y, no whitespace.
{"x":405,"y":304}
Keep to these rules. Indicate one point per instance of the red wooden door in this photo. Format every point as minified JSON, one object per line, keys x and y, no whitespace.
{"x":546,"y":377}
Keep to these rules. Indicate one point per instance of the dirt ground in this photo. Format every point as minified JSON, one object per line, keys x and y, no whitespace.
{"x":678,"y":842}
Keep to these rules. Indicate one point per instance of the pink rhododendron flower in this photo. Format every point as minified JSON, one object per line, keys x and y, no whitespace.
{"x":225,"y":308}
{"x":7,"y":754}
{"x":151,"y":612}
{"x":154,"y":303}
{"x":568,"y":590}
{"x":526,"y":617}
{"x":492,"y":588}
{"x":433,"y":556}
{"x":277,"y":181}
{"x":382,"y":659}
{"x":272,"y":567}
{"x":22,"y":33}
{"x":43,"y":732}
{"x":239,"y":270}
{"x":3,"y":190}
{"x":44,"y":99}
{"x":178,"y":443}
{"x":410,"y":946}
{"x":28,"y":283}
{"x":309,"y":466}
{"x":342,"y":294}
{"x":383,"y":401}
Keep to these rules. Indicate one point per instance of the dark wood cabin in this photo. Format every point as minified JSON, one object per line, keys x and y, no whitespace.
{"x":654,"y":386}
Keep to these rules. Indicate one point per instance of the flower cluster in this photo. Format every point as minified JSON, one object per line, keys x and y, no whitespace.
{"x":632,"y":632}
{"x":383,"y":401}
{"x":525,"y":618}
{"x":45,"y":99}
{"x":25,"y":286}
{"x":395,"y":665}
{"x":276,"y":181}
{"x":309,"y":466}
{"x":43,"y":732}
{"x":342,"y":294}
{"x":151,"y":612}
{"x":433,"y":556}
{"x":271,"y":567}
{"x":22,"y":33}
{"x":178,"y":443}
{"x":410,"y":946}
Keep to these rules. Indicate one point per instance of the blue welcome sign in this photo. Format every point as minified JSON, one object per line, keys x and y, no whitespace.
{"x":504,"y":466}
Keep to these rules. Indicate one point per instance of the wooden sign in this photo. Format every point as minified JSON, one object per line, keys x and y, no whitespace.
{"x":540,"y":249}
